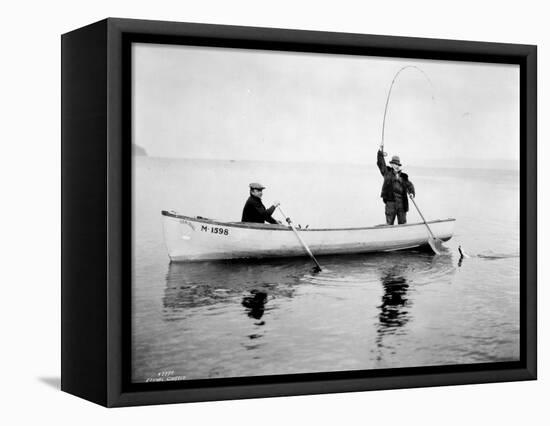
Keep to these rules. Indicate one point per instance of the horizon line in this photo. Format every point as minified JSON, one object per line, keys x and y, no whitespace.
{"x":423,"y":164}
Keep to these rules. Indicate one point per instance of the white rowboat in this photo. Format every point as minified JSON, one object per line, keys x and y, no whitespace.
{"x":197,"y":238}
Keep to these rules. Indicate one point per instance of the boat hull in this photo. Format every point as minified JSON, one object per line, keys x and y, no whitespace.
{"x":195,"y":239}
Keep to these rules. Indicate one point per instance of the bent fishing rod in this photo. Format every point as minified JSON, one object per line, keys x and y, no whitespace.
{"x":389,"y":95}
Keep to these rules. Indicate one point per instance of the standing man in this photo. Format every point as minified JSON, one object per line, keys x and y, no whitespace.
{"x":395,"y":188}
{"x":254,"y":210}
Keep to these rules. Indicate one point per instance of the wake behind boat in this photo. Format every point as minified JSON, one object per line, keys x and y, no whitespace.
{"x":196,"y":238}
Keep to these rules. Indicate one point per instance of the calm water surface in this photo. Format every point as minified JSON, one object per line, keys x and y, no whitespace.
{"x":401,"y":309}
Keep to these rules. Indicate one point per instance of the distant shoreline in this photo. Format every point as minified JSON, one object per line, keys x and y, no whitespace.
{"x":138,"y":151}
{"x":437,"y":164}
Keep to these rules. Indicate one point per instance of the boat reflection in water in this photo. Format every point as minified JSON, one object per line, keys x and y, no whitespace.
{"x":252,"y":284}
{"x":275,"y":316}
{"x":224,"y":288}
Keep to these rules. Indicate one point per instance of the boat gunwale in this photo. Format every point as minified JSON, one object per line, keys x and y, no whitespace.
{"x":266,"y":227}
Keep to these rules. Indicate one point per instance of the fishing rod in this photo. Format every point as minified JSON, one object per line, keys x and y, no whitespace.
{"x":435,"y":243}
{"x":389,"y":95}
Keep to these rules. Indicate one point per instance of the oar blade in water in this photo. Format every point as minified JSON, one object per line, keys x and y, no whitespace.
{"x":436,"y":244}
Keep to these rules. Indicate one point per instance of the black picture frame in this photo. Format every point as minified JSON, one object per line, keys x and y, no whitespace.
{"x":96,"y":211}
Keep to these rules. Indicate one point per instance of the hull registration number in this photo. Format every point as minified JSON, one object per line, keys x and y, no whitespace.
{"x":215,"y":230}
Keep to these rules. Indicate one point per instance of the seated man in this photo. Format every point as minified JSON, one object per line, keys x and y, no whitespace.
{"x":254,"y":210}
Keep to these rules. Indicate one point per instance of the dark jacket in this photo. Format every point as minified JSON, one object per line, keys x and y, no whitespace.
{"x":255,"y":211}
{"x":395,"y":185}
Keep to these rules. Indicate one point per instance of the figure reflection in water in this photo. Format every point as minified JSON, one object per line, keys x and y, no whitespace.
{"x":255,"y":304}
{"x":393,"y":310}
{"x":255,"y":307}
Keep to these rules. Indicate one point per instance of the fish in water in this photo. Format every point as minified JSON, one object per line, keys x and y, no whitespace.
{"x":489,"y":256}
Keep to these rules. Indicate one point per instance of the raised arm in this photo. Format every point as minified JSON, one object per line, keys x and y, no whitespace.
{"x":380,"y":162}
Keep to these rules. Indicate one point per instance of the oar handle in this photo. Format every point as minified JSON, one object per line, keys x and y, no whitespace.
{"x":304,"y":245}
{"x":422,"y":216}
{"x":283,"y":213}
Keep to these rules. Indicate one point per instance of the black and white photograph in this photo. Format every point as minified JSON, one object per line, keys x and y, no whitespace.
{"x":285,"y":213}
{"x":298,"y":212}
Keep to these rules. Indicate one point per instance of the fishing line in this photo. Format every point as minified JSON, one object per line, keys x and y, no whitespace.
{"x":389,"y":95}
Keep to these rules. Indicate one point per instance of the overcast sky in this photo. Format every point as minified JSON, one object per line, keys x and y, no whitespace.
{"x":202,"y":102}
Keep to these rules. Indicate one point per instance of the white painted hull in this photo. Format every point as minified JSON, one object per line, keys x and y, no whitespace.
{"x":194,"y":239}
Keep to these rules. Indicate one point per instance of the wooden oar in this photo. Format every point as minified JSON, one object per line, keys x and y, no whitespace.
{"x":317,"y":266}
{"x":435,"y":243}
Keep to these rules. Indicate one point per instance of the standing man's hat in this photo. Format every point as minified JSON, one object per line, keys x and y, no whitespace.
{"x":256,"y":185}
{"x":395,"y":160}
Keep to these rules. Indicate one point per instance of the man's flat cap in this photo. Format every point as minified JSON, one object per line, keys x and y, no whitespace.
{"x":256,"y":185}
